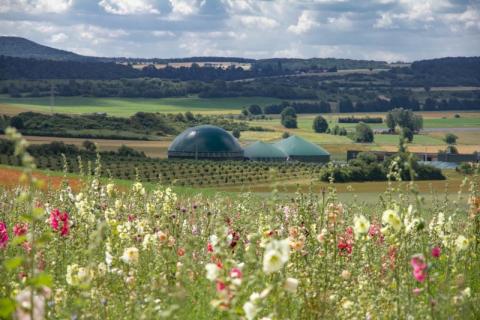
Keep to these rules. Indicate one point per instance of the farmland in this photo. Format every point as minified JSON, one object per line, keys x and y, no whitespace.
{"x":127,"y":107}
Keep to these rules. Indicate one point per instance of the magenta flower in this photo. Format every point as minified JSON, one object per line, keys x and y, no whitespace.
{"x":436,"y":251}
{"x":3,"y":235}
{"x":56,"y":218}
{"x":20,"y":229}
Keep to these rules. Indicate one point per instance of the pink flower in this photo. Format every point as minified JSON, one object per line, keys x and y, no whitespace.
{"x":3,"y":235}
{"x":56,"y":218}
{"x":417,"y":291}
{"x":20,"y":229}
{"x":236,"y":273}
{"x":419,"y":267}
{"x":436,"y":251}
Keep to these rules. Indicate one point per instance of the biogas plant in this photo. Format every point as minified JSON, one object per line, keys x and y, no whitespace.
{"x":208,"y":142}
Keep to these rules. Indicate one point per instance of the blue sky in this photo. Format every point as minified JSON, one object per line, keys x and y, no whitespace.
{"x":389,"y":30}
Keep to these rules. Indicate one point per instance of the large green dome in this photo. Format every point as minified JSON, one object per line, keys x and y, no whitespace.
{"x":205,"y":142}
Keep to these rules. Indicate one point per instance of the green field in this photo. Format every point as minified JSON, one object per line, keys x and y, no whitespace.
{"x":126,"y":107}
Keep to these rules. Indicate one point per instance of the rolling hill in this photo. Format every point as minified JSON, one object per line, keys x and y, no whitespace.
{"x":24,"y":48}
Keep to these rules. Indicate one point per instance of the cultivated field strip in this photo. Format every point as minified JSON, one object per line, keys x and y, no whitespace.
{"x":180,"y":172}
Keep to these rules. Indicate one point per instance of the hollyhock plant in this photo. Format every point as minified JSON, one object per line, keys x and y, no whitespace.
{"x":419,"y":267}
{"x":3,"y":235}
{"x":57,"y":218}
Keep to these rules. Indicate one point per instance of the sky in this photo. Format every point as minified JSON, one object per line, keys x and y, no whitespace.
{"x":388,"y":30}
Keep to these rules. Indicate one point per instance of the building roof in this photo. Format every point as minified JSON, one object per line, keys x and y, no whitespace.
{"x":296,"y":146}
{"x":205,"y":139}
{"x":261,"y":149}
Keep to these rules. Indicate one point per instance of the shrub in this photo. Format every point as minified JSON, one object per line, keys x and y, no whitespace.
{"x":320,"y":125}
{"x":363,"y":133}
{"x":450,"y":138}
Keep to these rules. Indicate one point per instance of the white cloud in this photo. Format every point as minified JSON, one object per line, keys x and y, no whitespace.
{"x":58,"y":37}
{"x":385,"y":21}
{"x":124,"y":7}
{"x":343,"y":22}
{"x":412,"y":12}
{"x":184,"y":8}
{"x":306,"y":21}
{"x":35,"y":6}
{"x":258,"y":22}
{"x":163,"y":33}
{"x":467,"y":20}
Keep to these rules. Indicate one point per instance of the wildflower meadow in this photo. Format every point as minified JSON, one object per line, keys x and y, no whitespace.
{"x":103,"y":252}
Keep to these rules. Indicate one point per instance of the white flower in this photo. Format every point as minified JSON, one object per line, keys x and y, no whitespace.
{"x":110,"y":189}
{"x":250,"y":310}
{"x":212,"y":271}
{"x":130,"y":255}
{"x":361,"y":224}
{"x":78,"y":275}
{"x":461,"y":243}
{"x":108,"y":259}
{"x":276,"y":255}
{"x":391,"y":218}
{"x":291,"y":285}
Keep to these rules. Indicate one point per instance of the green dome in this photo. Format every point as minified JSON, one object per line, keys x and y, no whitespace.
{"x":205,"y":142}
{"x":264,"y":151}
{"x":300,"y":149}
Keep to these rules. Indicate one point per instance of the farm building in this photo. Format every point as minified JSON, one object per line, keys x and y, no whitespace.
{"x":205,"y":142}
{"x":302,"y":150}
{"x":261,"y":151}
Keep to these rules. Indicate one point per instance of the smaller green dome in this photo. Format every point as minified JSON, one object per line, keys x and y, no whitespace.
{"x":264,"y":151}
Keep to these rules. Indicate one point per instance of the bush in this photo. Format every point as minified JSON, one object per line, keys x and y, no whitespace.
{"x":289,"y":118}
{"x":320,"y":125}
{"x":363,"y":133}
{"x":450,"y":138}
{"x":289,"y":122}
{"x":468,"y":168}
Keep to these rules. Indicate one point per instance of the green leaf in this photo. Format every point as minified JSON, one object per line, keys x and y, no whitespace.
{"x":18,"y":240}
{"x":7,"y":306}
{"x":13,"y":263}
{"x":42,"y":279}
{"x":38,"y":213}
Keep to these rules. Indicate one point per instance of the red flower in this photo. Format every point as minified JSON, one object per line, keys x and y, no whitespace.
{"x":344,"y":246}
{"x":20,"y":229}
{"x":345,"y":242}
{"x":220,"y":286}
{"x":436,"y":252}
{"x":56,"y":218}
{"x":3,"y":235}
{"x":210,"y":247}
{"x":181,"y":252}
